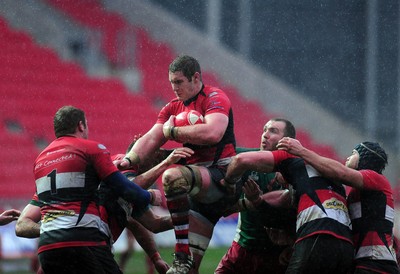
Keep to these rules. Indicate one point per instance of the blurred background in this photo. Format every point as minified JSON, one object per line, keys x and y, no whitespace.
{"x":331,"y":67}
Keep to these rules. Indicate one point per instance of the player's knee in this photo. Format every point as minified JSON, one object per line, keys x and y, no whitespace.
{"x":174,"y":182}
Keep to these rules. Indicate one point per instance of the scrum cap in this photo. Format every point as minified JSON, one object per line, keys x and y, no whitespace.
{"x":372,"y":156}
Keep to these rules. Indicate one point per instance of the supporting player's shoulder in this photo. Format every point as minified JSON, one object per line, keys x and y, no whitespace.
{"x":245,"y":149}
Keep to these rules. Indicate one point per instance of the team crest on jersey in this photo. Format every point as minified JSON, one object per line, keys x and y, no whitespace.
{"x":335,"y":204}
{"x":51,"y":215}
{"x":101,"y":146}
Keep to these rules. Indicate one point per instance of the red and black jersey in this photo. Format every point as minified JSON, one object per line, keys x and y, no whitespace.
{"x":372,"y":215}
{"x":208,"y":100}
{"x":35,"y":201}
{"x":67,"y":174}
{"x":322,"y":205}
{"x":396,"y":246}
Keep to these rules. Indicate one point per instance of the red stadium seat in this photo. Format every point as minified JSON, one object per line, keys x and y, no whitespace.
{"x":35,"y":82}
{"x":18,"y":154}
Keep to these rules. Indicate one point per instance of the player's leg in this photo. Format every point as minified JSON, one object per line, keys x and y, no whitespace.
{"x":233,"y":261}
{"x":178,"y":183}
{"x":200,"y":233}
{"x":128,"y":252}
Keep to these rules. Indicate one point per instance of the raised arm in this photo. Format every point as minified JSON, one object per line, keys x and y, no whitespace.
{"x":143,"y":147}
{"x":327,"y":167}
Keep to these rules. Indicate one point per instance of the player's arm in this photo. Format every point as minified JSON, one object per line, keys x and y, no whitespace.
{"x":154,"y":222}
{"x":143,"y":147}
{"x":145,"y":180}
{"x":208,"y":133}
{"x":28,"y":223}
{"x":131,"y":192}
{"x":260,"y":161}
{"x":146,"y":240}
{"x":326,"y":166}
{"x":254,"y":197}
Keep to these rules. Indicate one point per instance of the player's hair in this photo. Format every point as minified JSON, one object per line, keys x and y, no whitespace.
{"x":188,"y":65}
{"x":290,"y":130}
{"x":67,"y":119}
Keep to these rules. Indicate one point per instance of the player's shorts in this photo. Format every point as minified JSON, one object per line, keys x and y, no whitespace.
{"x":213,"y":211}
{"x":321,"y":253}
{"x":79,"y":260}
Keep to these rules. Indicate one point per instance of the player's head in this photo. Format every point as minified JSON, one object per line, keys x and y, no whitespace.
{"x":68,"y":119}
{"x":371,"y":156}
{"x":186,"y":64}
{"x":274,"y":130}
{"x":185,"y":77}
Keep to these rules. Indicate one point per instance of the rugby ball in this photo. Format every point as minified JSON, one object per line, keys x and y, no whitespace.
{"x":188,"y":118}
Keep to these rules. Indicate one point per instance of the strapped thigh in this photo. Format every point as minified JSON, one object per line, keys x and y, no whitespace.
{"x":193,"y":178}
{"x":181,"y":181}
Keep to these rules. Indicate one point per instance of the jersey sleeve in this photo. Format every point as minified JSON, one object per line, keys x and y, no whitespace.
{"x":217,"y":102}
{"x":35,"y":201}
{"x":374,"y":181}
{"x":169,"y":109}
{"x":281,"y":155}
{"x":163,"y":115}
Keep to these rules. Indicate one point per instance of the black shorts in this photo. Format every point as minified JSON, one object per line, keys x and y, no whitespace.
{"x":214,"y":211}
{"x":79,"y":260}
{"x":321,"y":253}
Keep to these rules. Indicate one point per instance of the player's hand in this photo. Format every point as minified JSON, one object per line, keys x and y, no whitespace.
{"x":169,"y":129}
{"x":229,"y":187}
{"x":8,"y":216}
{"x":122,"y":164}
{"x":131,"y":160}
{"x":156,"y":197}
{"x":161,"y":266}
{"x":291,"y":145}
{"x":177,"y":154}
{"x":252,"y":192}
{"x":280,"y":180}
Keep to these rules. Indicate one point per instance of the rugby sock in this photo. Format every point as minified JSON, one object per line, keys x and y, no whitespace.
{"x":179,"y":209}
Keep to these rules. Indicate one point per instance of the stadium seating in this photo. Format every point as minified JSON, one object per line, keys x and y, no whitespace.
{"x":91,"y":14}
{"x":35,"y":82}
{"x":16,"y":164}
